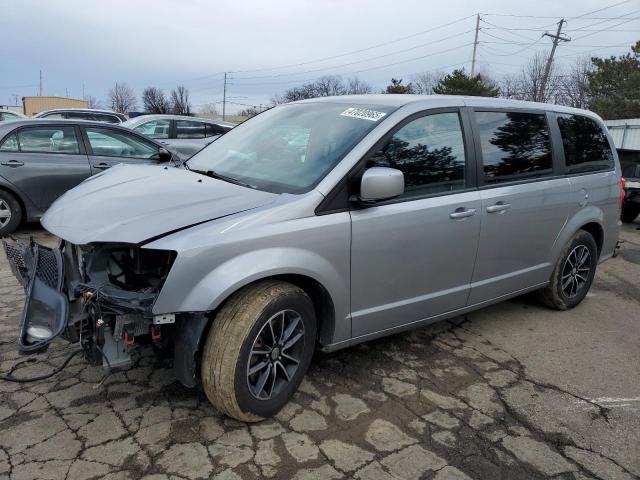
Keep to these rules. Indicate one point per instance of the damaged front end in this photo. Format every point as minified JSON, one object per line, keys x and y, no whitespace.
{"x":99,"y":295}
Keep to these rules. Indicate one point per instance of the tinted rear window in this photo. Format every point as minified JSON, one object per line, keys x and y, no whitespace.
{"x":514,"y":145}
{"x":586,"y":148}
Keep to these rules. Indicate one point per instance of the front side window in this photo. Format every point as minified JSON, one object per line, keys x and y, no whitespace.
{"x":586,"y":148}
{"x":213,"y":130}
{"x":154,"y":128}
{"x":10,"y":143}
{"x":514,"y":145}
{"x":112,"y":143}
{"x":289,"y":148}
{"x":430,"y":153}
{"x":7,"y":116}
{"x":190,"y":129}
{"x":48,"y":139}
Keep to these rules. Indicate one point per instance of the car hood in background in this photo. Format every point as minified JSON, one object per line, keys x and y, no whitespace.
{"x":131,"y":204}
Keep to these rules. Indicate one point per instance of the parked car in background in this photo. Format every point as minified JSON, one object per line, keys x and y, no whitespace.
{"x":94,"y":115}
{"x":42,"y":159}
{"x":7,"y":116}
{"x":186,"y":135}
{"x":325,"y":223}
{"x":630,"y":164}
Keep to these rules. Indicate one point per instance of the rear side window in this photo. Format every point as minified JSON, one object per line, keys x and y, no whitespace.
{"x":430,"y":153}
{"x":586,"y":148}
{"x":10,"y":143}
{"x":54,"y":116}
{"x":189,"y":129}
{"x":154,"y":128}
{"x":48,"y":139}
{"x":514,"y":145}
{"x":213,"y":130}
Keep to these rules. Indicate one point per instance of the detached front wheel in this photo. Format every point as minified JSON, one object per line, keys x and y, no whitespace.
{"x":258,"y":350}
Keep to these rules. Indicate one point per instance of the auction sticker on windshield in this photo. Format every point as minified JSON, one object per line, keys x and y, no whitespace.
{"x":363,"y":113}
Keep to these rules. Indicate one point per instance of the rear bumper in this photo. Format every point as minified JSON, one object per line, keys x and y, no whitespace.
{"x":40,"y":270}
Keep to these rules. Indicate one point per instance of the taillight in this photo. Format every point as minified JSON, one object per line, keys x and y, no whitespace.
{"x":623,"y":192}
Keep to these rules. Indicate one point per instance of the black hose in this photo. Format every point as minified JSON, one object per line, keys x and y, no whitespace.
{"x":8,"y":377}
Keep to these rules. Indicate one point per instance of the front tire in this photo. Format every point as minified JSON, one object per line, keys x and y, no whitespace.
{"x":258,"y":350}
{"x":573,"y":273}
{"x":10,"y":213}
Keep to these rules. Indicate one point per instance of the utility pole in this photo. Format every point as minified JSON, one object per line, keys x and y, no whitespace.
{"x":557,"y":38}
{"x":475,"y":45}
{"x":40,"y":90}
{"x":224,"y":97}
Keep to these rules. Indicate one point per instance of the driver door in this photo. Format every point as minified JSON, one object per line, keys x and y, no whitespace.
{"x":107,"y":147}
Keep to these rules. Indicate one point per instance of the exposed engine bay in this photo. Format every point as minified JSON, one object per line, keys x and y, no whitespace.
{"x":100,"y":296}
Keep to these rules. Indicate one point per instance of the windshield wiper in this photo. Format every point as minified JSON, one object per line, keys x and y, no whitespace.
{"x":219,"y":176}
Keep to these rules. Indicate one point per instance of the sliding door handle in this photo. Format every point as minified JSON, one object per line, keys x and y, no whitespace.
{"x":499,"y":207}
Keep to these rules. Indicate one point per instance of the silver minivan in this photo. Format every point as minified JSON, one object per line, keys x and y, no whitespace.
{"x":323,"y":223}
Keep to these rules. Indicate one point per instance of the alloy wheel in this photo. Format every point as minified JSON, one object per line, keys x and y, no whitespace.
{"x":5,"y":214}
{"x":576,"y":270}
{"x":275,"y":354}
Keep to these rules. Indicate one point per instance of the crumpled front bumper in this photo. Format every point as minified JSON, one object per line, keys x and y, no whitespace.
{"x":40,"y":270}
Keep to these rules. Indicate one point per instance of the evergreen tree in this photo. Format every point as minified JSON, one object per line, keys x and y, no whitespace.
{"x":459,"y":83}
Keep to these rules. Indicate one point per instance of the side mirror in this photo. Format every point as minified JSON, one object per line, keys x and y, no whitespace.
{"x":164,"y":155}
{"x":381,"y":183}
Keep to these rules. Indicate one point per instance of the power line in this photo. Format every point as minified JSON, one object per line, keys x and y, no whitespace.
{"x":357,"y":61}
{"x":600,"y":9}
{"x":365,"y":69}
{"x":388,"y":42}
{"x":617,"y":24}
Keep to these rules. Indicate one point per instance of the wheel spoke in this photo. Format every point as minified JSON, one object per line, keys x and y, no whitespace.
{"x":292,"y":341}
{"x":260,"y":351}
{"x":283,"y":370}
{"x":567,"y":283}
{"x":282,"y":320}
{"x":262,"y":381}
{"x":291,"y":328}
{"x":5,"y":213}
{"x":273,"y":380}
{"x":258,"y":367}
{"x":290,"y":358}
{"x":273,"y":335}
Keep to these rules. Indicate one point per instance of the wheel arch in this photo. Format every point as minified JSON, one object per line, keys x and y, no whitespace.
{"x":591,"y":220}
{"x":19,"y":199}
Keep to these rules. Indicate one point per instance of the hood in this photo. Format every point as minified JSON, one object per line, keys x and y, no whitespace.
{"x":133,"y":203}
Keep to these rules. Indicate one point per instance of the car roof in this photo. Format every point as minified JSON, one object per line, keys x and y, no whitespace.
{"x":88,"y":110}
{"x":429,"y":101}
{"x":6,"y":127}
{"x":159,"y":116}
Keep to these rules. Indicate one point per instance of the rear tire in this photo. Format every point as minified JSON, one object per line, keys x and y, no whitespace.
{"x":629,"y":212}
{"x":573,"y":273}
{"x":241,"y":341}
{"x":10,"y":213}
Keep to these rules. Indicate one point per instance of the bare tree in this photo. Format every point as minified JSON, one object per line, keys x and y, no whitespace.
{"x":573,"y":84}
{"x":209,"y":109}
{"x":329,"y":85}
{"x":122,"y":98}
{"x":93,"y":102}
{"x":355,"y":86}
{"x":423,"y":83}
{"x":527,"y":84}
{"x":180,"y":104}
{"x":154,"y":101}
{"x":248,"y":112}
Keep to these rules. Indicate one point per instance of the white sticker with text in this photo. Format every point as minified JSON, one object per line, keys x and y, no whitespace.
{"x":363,"y":113}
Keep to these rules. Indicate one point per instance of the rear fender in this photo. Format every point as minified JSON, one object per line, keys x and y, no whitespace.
{"x":589,"y":214}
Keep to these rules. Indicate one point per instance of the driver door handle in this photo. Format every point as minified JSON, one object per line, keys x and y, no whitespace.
{"x":12,"y":163}
{"x":461,"y":213}
{"x":101,"y":166}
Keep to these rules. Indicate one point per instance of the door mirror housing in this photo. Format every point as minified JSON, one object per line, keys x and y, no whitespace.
{"x":164,"y":155}
{"x":381,"y":183}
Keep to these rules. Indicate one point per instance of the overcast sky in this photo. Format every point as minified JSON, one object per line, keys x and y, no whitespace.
{"x":168,"y":42}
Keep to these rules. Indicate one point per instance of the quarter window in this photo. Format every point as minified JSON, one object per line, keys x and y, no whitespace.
{"x":586,"y":148}
{"x":190,"y":129}
{"x":213,"y":130}
{"x":48,"y":139}
{"x":514,"y":145}
{"x":430,"y":153}
{"x":112,"y":143}
{"x":154,"y":128}
{"x":10,"y":143}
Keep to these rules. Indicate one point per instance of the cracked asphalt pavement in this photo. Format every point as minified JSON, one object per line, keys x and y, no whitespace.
{"x":513,"y":391}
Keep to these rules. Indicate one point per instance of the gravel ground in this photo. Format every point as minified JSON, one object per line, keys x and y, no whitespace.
{"x":513,"y":391}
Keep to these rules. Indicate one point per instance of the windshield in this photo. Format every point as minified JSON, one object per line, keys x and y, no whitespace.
{"x":289,"y":148}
